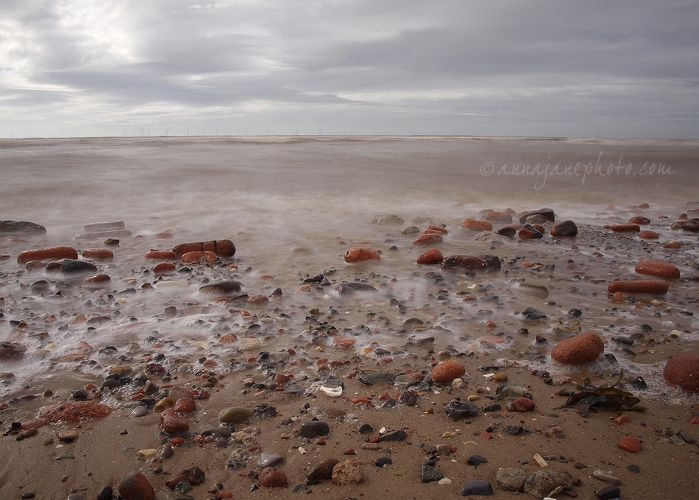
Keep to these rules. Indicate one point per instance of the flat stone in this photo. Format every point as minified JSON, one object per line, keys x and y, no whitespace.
{"x":234,"y":415}
{"x":377,"y":378}
{"x":429,"y":474}
{"x":476,"y":460}
{"x":268,"y":459}
{"x":21,"y":227}
{"x":397,"y":435}
{"x":74,"y":411}
{"x":456,"y":409}
{"x":222,"y":288}
{"x":348,"y":288}
{"x":511,"y":478}
{"x":387,"y":220}
{"x":630,"y":444}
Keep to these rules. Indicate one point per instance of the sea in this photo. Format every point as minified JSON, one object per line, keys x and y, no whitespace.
{"x":292,"y":206}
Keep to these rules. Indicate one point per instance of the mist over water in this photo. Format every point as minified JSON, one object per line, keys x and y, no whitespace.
{"x":293,"y":205}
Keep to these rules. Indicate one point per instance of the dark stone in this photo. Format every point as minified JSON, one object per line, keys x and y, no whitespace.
{"x":348,"y":288}
{"x":493,"y":407}
{"x":409,"y":398}
{"x":507,"y":231}
{"x":513,"y":430}
{"x":105,"y":494}
{"x":11,"y":350}
{"x":429,"y":474}
{"x":565,"y":229}
{"x":323,"y":470}
{"x":21,"y":227}
{"x":538,"y":216}
{"x":397,"y":435}
{"x":477,"y":487}
{"x":313,"y":429}
{"x":633,"y":468}
{"x":377,"y":378}
{"x":71,"y":266}
{"x":608,"y":493}
{"x":532,"y":314}
{"x":228,"y":287}
{"x":471,"y":263}
{"x":574,"y":313}
{"x":380,"y":462}
{"x":263,"y":410}
{"x":456,"y":409}
{"x":476,"y":460}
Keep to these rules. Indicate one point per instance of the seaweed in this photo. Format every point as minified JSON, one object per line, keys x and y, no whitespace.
{"x":605,"y":396}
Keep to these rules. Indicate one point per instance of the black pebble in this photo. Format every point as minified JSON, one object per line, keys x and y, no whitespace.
{"x":633,"y":468}
{"x":608,"y":493}
{"x":476,"y":460}
{"x":380,"y":462}
{"x":105,"y":494}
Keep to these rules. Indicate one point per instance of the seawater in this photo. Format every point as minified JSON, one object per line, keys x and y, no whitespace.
{"x":292,"y":206}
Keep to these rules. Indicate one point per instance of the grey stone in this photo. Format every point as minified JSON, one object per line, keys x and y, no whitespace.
{"x":429,"y":474}
{"x":511,"y":478}
{"x":477,"y":487}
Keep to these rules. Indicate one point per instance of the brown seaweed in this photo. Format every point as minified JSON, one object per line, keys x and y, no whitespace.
{"x":605,"y":396}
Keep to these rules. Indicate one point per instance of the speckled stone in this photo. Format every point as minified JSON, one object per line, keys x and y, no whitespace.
{"x":347,"y":472}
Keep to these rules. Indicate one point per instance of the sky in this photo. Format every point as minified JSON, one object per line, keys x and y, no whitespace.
{"x":76,"y":68}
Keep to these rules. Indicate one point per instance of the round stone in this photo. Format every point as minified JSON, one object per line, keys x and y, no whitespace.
{"x":446,"y":371}
{"x":523,"y":404}
{"x":314,"y":428}
{"x":347,"y":472}
{"x":682,"y":370}
{"x":578,"y":350}
{"x":135,"y":486}
{"x":272,"y":478}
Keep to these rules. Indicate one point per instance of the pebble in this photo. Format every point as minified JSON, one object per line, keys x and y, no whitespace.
{"x":608,"y":493}
{"x":387,"y":220}
{"x":314,"y":428}
{"x":523,"y":404}
{"x":477,"y":487}
{"x":381,"y":461}
{"x":429,"y":474}
{"x":359,"y":254}
{"x":630,"y":444}
{"x":658,"y":268}
{"x":446,"y":371}
{"x":139,"y":411}
{"x":347,"y":472}
{"x":268,"y":459}
{"x":172,"y":423}
{"x":135,"y":486}
{"x":538,"y":216}
{"x":471,"y":263}
{"x":457,"y":409}
{"x":377,"y":378}
{"x":430,"y":257}
{"x":476,"y":460}
{"x":542,"y":482}
{"x":653,"y":287}
{"x":222,"y":288}
{"x":272,"y":478}
{"x":682,"y":370}
{"x":428,"y":239}
{"x":511,"y":478}
{"x":578,"y":350}
{"x":477,"y":225}
{"x":349,"y":288}
{"x":566,"y":229}
{"x":397,"y":435}
{"x":235,"y":415}
{"x":73,"y":412}
{"x":324,"y":470}
{"x":607,"y":477}
{"x":222,"y":248}
{"x":53,"y":253}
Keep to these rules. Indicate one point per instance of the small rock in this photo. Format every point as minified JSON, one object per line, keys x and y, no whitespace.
{"x":268,"y":459}
{"x":430,"y":257}
{"x":523,"y":404}
{"x":658,"y":268}
{"x":608,"y":493}
{"x":630,"y":444}
{"x":381,"y":461}
{"x":360,"y":254}
{"x":348,"y":288}
{"x":314,"y":428}
{"x":477,"y":487}
{"x":538,"y":216}
{"x":682,"y":370}
{"x":510,"y":478}
{"x":397,"y":435}
{"x":235,"y":415}
{"x":135,"y":486}
{"x":542,"y":482}
{"x":73,"y":412}
{"x":347,"y":472}
{"x":471,"y":263}
{"x":272,"y":478}
{"x":222,"y":288}
{"x":476,"y":460}
{"x":172,"y":423}
{"x":456,"y":409}
{"x":323,"y":470}
{"x":387,"y":220}
{"x":578,"y":350}
{"x":565,"y":229}
{"x":607,"y":477}
{"x":377,"y":378}
{"x":446,"y":371}
{"x":429,"y":474}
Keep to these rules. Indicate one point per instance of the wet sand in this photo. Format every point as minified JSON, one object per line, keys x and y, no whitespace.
{"x":418,"y":316}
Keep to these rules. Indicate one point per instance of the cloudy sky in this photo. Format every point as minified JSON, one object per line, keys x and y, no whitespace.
{"x":515,"y":67}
